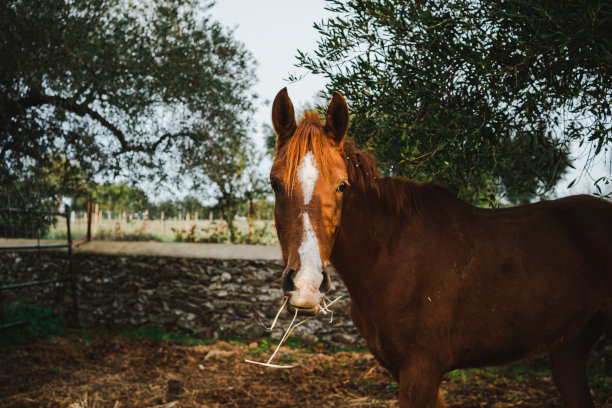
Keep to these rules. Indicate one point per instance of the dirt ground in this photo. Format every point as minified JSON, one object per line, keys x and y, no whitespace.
{"x":80,"y":370}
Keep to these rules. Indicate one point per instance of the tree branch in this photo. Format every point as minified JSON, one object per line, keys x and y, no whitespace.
{"x":34,"y":99}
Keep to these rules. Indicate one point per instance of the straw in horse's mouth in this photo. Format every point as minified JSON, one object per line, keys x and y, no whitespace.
{"x":315,"y":310}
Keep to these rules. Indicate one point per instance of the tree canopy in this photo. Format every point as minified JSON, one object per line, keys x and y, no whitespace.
{"x":116,"y":86}
{"x":485,"y":97}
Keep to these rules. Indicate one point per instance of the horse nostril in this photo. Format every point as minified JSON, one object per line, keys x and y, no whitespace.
{"x":326,"y":284}
{"x":288,"y":285}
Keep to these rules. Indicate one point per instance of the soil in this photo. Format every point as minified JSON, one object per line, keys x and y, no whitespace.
{"x":81,"y":370}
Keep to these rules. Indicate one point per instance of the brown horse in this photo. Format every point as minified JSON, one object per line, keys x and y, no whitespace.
{"x":435,"y":283}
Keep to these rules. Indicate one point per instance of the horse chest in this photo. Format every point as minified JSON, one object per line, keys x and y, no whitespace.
{"x":377,"y":340}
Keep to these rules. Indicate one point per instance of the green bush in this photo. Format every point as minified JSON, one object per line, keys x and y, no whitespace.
{"x":39,"y":322}
{"x":218,"y":233}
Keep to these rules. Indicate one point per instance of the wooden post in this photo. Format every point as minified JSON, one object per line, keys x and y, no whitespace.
{"x":96,"y":218}
{"x":186,"y":222}
{"x":88,"y":218}
{"x":163,"y":225}
{"x":250,"y":216}
{"x":145,"y":227}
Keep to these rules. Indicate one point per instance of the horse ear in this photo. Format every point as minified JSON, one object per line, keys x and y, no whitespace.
{"x":337,"y":118}
{"x":283,"y":118}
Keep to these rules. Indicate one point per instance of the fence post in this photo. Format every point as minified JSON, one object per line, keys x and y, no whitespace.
{"x":146,"y":223}
{"x":73,"y":280}
{"x":96,"y":218}
{"x":163,"y":224}
{"x":88,"y":218}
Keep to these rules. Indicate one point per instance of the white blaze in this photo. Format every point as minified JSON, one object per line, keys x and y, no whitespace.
{"x":309,"y":277}
{"x":308,"y":175}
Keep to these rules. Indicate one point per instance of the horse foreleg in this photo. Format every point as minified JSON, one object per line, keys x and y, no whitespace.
{"x":568,"y":364}
{"x":440,"y":403}
{"x":420,"y":387}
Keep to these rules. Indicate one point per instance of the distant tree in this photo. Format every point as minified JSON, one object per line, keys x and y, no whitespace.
{"x":269,"y":139}
{"x":119,"y":197}
{"x":482,"y":96}
{"x":268,"y":130}
{"x":191,"y":204}
{"x":116,"y":85}
{"x":168,"y":207}
{"x":264,"y":208}
{"x":255,"y":189}
{"x":45,"y":184}
{"x":40,"y":188}
{"x":228,"y":161}
{"x":114,"y":197}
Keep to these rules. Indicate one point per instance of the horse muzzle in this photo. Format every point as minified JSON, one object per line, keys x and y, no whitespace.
{"x":305,"y":290}
{"x":303,"y":311}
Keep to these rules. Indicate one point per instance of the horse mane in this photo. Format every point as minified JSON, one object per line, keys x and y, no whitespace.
{"x":399,"y":194}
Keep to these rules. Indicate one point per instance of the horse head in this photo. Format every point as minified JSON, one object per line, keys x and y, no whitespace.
{"x":309,"y":179}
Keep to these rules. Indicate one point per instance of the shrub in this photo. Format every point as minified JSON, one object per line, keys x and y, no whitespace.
{"x":38,"y":322}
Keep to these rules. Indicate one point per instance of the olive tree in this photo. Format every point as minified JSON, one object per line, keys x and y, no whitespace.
{"x":485,"y":97}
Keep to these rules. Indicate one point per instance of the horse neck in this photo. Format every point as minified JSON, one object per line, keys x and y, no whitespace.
{"x":365,"y":230}
{"x":371,"y":230}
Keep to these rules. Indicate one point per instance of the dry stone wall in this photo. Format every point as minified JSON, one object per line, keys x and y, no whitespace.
{"x":208,"y":298}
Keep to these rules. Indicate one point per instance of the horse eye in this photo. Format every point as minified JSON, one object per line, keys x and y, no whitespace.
{"x":342,"y":187}
{"x":275,"y":186}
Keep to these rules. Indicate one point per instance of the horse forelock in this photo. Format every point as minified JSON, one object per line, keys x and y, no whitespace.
{"x":308,"y":137}
{"x":399,"y":194}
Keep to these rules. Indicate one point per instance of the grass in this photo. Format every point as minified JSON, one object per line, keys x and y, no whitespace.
{"x":518,"y":370}
{"x":167,"y":231}
{"x":600,"y":381}
{"x":155,"y":332}
{"x":392,"y":385}
{"x":39,"y":323}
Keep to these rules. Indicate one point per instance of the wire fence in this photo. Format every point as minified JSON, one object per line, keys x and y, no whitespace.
{"x":18,"y":222}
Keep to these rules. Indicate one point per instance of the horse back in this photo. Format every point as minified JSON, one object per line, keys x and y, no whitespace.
{"x":534,"y":275}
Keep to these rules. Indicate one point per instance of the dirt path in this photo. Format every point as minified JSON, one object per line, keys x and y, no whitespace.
{"x":113,"y":371}
{"x":183,"y":250}
{"x":174,"y":249}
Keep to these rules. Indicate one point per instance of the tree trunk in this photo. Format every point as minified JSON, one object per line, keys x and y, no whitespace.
{"x":229,"y":219}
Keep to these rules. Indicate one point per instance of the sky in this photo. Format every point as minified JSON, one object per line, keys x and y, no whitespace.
{"x":273,"y":30}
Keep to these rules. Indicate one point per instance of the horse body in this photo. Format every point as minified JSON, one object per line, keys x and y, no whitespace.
{"x":473,"y":287}
{"x":435,"y":283}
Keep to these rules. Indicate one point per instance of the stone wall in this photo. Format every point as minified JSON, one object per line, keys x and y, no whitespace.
{"x":208,"y":298}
